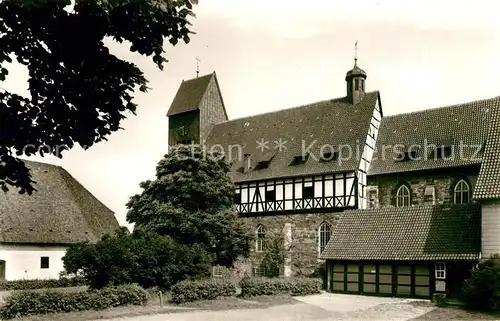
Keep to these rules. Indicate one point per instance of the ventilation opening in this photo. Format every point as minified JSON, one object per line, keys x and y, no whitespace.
{"x":241,"y":169}
{"x":298,"y":160}
{"x":406,"y":156}
{"x":329,"y":156}
{"x":262,"y":165}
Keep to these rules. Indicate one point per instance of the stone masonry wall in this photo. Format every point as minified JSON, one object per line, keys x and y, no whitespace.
{"x":443,"y":182}
{"x":304,"y":256}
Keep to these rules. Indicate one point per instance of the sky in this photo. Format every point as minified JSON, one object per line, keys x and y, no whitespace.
{"x":271,"y":55}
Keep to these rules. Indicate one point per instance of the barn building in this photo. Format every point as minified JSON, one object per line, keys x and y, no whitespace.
{"x":37,"y":229}
{"x":401,"y":205}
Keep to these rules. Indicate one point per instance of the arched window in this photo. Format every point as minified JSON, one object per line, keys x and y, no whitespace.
{"x":461,"y":192}
{"x":403,"y":196}
{"x":260,"y":241}
{"x":324,"y":232}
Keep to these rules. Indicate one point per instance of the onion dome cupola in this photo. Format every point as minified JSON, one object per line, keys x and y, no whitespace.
{"x":355,"y":79}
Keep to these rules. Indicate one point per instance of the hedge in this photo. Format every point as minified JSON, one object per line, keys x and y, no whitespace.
{"x":26,"y":303}
{"x":280,"y":286}
{"x":188,"y":291}
{"x":41,"y":284}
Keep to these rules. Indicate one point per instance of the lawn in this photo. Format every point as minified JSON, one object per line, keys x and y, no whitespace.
{"x":454,"y":313}
{"x":154,"y":307}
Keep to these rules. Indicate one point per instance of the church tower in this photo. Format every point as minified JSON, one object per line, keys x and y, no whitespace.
{"x":355,"y":79}
{"x":196,"y":108}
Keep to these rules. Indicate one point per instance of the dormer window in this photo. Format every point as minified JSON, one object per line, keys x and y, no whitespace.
{"x":262,"y":165}
{"x":329,"y":156}
{"x":443,"y":152}
{"x":407,"y":155}
{"x":298,"y":160}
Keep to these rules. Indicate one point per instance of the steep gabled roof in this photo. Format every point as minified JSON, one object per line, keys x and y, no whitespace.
{"x":407,"y":233}
{"x":62,"y":211}
{"x":335,"y":122}
{"x":189,"y":95}
{"x":488,"y":182}
{"x":446,"y":126}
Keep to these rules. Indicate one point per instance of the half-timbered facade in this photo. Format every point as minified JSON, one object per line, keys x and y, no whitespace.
{"x":341,"y":183}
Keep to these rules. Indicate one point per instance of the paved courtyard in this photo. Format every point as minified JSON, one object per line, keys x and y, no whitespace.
{"x":321,"y":307}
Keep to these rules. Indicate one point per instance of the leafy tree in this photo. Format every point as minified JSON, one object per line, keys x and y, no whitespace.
{"x":192,"y":201}
{"x":79,"y":91}
{"x":146,"y":259}
{"x":274,"y":257}
{"x":482,"y":290}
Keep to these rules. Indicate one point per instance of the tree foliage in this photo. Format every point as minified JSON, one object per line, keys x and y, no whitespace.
{"x":482,"y":290}
{"x":146,"y":259}
{"x":79,"y":91}
{"x":192,"y":201}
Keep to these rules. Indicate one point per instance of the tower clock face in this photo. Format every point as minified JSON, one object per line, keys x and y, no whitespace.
{"x":182,"y":130}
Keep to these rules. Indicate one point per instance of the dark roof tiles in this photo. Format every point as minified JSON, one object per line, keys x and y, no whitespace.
{"x":407,"y":233}
{"x":331,"y":122}
{"x":189,"y":95}
{"x":488,"y":182}
{"x":61,"y":211}
{"x":463,"y":125}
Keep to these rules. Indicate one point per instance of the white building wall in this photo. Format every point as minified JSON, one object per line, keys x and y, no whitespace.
{"x":24,"y":261}
{"x":490,"y":229}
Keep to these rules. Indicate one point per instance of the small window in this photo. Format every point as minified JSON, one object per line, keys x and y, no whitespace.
{"x":403,"y":196}
{"x":258,"y":271}
{"x":362,"y":85}
{"x":217,"y":271}
{"x":308,"y":192}
{"x":44,"y":262}
{"x":406,"y":156}
{"x":261,"y":239}
{"x":324,"y":232}
{"x":262,"y":165}
{"x":329,"y":156}
{"x":356,"y":84}
{"x":443,"y":152}
{"x":298,"y":160}
{"x":237,"y":197}
{"x":461,"y":192}
{"x":440,"y":269}
{"x":240,"y":169}
{"x":270,"y":195}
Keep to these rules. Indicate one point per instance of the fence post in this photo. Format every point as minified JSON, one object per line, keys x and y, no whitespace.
{"x":161,"y":299}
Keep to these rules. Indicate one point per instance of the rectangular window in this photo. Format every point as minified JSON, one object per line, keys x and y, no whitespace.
{"x":308,"y":192}
{"x":217,"y":271}
{"x":44,"y":262}
{"x":440,"y":269}
{"x":237,"y":197}
{"x":259,"y":272}
{"x":270,"y":196}
{"x":356,"y":84}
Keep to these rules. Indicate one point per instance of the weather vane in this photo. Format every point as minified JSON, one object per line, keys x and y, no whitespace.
{"x":197,"y":66}
{"x":356,"y":51}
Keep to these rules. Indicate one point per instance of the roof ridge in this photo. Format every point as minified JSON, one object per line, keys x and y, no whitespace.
{"x":295,"y":107}
{"x":197,"y":78}
{"x":444,"y":107}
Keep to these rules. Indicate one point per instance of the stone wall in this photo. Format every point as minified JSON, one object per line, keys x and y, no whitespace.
{"x":303,"y":256}
{"x":441,"y":182}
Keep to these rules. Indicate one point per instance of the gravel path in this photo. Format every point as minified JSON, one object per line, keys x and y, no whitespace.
{"x":318,"y":308}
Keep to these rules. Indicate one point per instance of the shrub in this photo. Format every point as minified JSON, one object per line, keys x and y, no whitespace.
{"x":41,"y":284}
{"x":277,"y":286}
{"x":320,"y":272}
{"x":26,"y":303}
{"x":188,"y":291}
{"x":482,"y":290}
{"x":147,"y":259}
{"x":440,"y":299}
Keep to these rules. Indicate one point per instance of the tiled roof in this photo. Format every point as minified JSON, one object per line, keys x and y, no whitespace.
{"x":189,"y":95}
{"x":61,"y":211}
{"x":335,"y":122}
{"x":466,"y":123}
{"x":488,"y":182}
{"x":407,"y":233}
